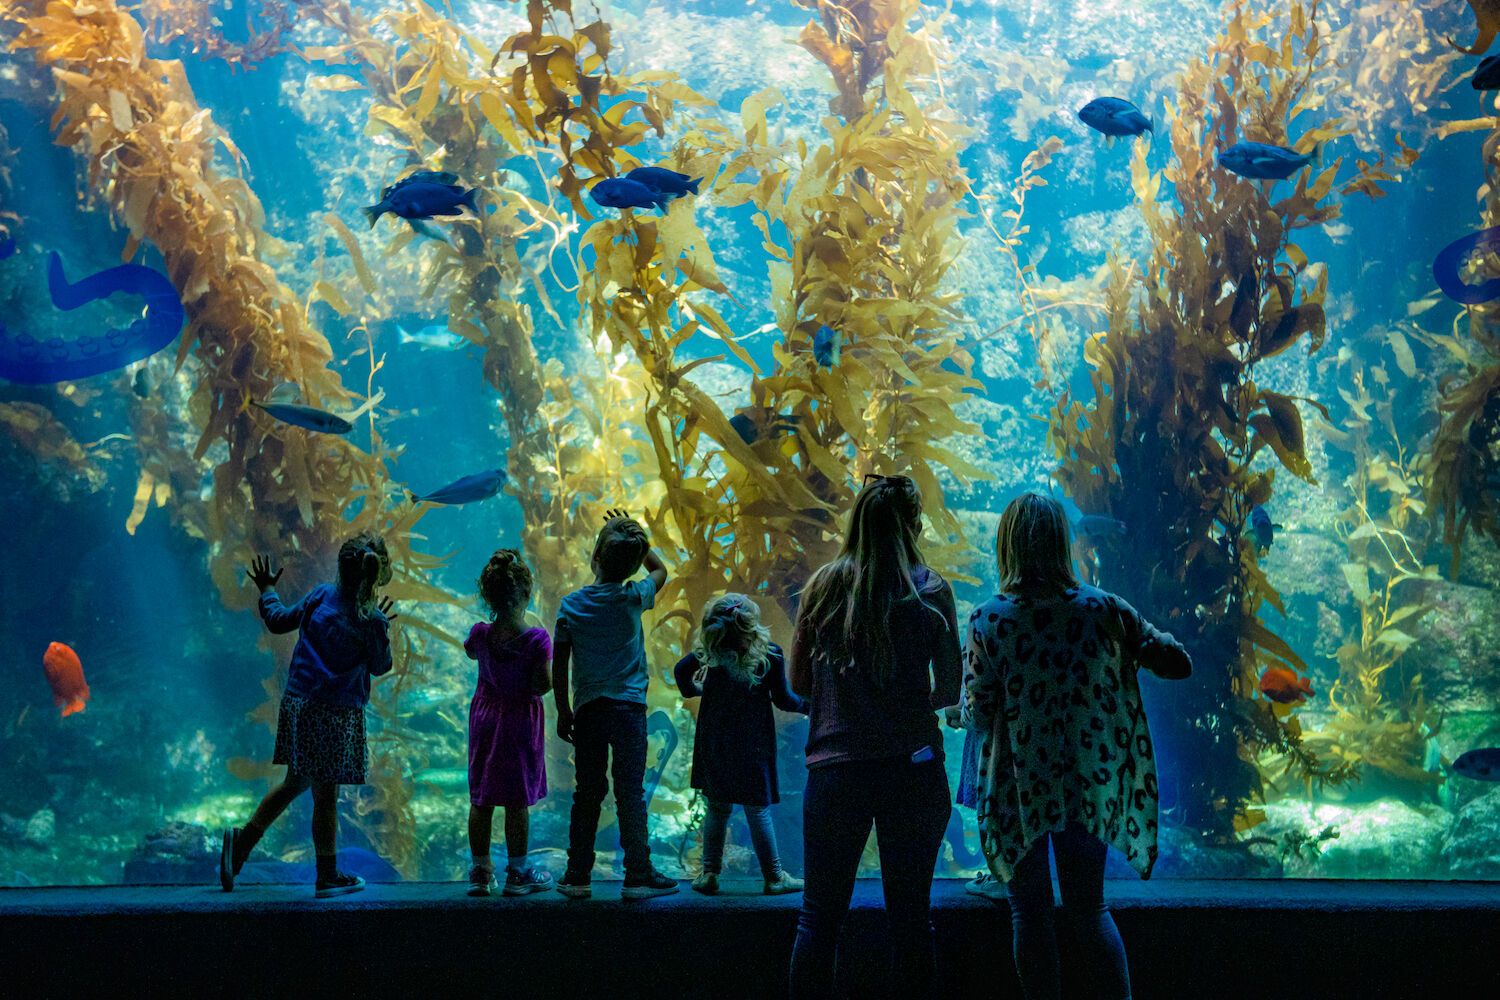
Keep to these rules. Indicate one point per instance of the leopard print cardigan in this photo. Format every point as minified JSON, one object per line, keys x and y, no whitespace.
{"x":1050,"y":683}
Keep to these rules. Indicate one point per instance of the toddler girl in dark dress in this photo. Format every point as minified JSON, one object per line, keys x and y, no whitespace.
{"x":507,"y":739}
{"x":740,"y":674}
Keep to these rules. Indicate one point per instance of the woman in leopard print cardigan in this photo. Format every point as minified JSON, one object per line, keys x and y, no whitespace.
{"x":1050,"y":685}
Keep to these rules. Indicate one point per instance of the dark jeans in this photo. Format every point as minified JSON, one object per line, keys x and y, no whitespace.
{"x":1080,"y":879}
{"x":908,"y":804}
{"x":599,"y":727}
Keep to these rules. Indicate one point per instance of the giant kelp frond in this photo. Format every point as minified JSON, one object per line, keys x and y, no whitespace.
{"x":1466,"y":448}
{"x":1380,"y":712}
{"x":1396,"y":64}
{"x":1172,"y":438}
{"x":195,"y":23}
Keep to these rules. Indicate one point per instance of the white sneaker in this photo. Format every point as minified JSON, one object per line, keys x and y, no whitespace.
{"x":783,"y":885}
{"x":986,"y":885}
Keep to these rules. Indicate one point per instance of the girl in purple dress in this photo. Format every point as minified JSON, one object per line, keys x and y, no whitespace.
{"x":507,"y":762}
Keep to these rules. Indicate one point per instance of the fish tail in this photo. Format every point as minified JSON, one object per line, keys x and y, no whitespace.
{"x":692,"y":185}
{"x":413,"y":497}
{"x":1151,"y":124}
{"x":373,"y":213}
{"x":1317,"y":155}
{"x":468,"y":200}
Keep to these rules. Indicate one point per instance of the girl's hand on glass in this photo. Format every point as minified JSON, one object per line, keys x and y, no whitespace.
{"x":610,"y":515}
{"x":260,"y":573}
{"x":386,"y":604}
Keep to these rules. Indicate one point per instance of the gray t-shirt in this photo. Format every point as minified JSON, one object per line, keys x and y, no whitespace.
{"x":603,"y":622}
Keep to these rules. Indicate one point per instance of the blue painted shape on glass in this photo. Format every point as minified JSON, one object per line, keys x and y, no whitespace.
{"x":1447,"y":264}
{"x":27,"y":360}
{"x":7,"y":247}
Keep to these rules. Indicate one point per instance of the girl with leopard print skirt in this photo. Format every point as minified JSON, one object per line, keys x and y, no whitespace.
{"x":1050,"y":686}
{"x":320,"y":729}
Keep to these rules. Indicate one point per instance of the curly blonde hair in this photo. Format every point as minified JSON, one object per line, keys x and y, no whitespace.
{"x":732,"y":638}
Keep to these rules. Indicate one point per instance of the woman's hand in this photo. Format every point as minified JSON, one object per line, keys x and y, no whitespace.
{"x":386,"y":604}
{"x":260,"y":573}
{"x":953,"y":716}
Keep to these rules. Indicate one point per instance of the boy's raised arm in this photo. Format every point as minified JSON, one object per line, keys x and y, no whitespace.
{"x":655,"y":568}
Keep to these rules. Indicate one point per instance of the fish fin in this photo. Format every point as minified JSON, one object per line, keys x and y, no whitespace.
{"x":402,"y":336}
{"x":1317,"y":155}
{"x":414,"y":498}
{"x":373,"y":213}
{"x":468,"y":200}
{"x":1150,"y":124}
{"x":692,"y":185}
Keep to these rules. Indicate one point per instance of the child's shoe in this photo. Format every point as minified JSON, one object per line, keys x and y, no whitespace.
{"x":482,"y":881}
{"x":226,"y":860}
{"x":574,"y":885}
{"x":986,"y":885}
{"x":653,"y":883}
{"x":519,"y":882}
{"x":706,"y":883}
{"x":783,"y":885}
{"x":339,"y":884}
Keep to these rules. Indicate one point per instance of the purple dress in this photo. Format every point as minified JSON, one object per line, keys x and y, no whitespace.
{"x":507,"y":734}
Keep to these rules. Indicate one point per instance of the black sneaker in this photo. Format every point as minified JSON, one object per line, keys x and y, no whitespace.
{"x":575,"y":885}
{"x":226,"y":860}
{"x":653,"y":883}
{"x":340,"y":884}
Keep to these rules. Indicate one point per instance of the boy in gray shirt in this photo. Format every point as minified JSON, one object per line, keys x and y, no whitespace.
{"x":599,"y":636}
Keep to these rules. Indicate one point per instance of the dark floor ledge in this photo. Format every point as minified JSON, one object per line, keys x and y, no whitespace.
{"x":1185,"y":938}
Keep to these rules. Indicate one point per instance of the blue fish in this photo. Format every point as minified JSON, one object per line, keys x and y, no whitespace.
{"x":479,"y":486}
{"x":309,"y":417}
{"x":434,"y":337}
{"x":27,"y":360}
{"x":1487,"y":74}
{"x":1098,"y":526}
{"x":7,"y":247}
{"x":618,"y":192}
{"x":664,"y":181}
{"x":1447,"y":268}
{"x":1114,"y":116}
{"x":827,"y":343}
{"x":1261,"y":527}
{"x":1260,"y":161}
{"x":421,"y":196}
{"x":1481,"y":765}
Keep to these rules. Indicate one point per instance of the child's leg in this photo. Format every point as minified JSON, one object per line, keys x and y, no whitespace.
{"x":481,"y":820}
{"x":272,"y":806}
{"x":763,"y":836}
{"x":628,"y":770}
{"x":517,"y":835}
{"x":591,"y":763}
{"x":715,"y":825}
{"x":325,"y":827}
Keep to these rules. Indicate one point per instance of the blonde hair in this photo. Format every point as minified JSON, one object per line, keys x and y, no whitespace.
{"x":728,"y":622}
{"x":848,"y":601}
{"x":1032,"y":545}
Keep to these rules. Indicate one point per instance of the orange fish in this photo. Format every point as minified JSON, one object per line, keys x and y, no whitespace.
{"x":1285,"y":687}
{"x":69,"y":690}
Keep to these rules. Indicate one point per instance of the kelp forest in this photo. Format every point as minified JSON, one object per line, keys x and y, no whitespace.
{"x":1255,"y":378}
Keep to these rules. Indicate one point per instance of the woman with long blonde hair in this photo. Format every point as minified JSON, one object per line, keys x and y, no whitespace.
{"x":739,"y":673}
{"x":1050,"y":685}
{"x":876,"y":651}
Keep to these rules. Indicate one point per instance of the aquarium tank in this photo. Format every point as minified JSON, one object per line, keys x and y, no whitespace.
{"x":1220,"y":276}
